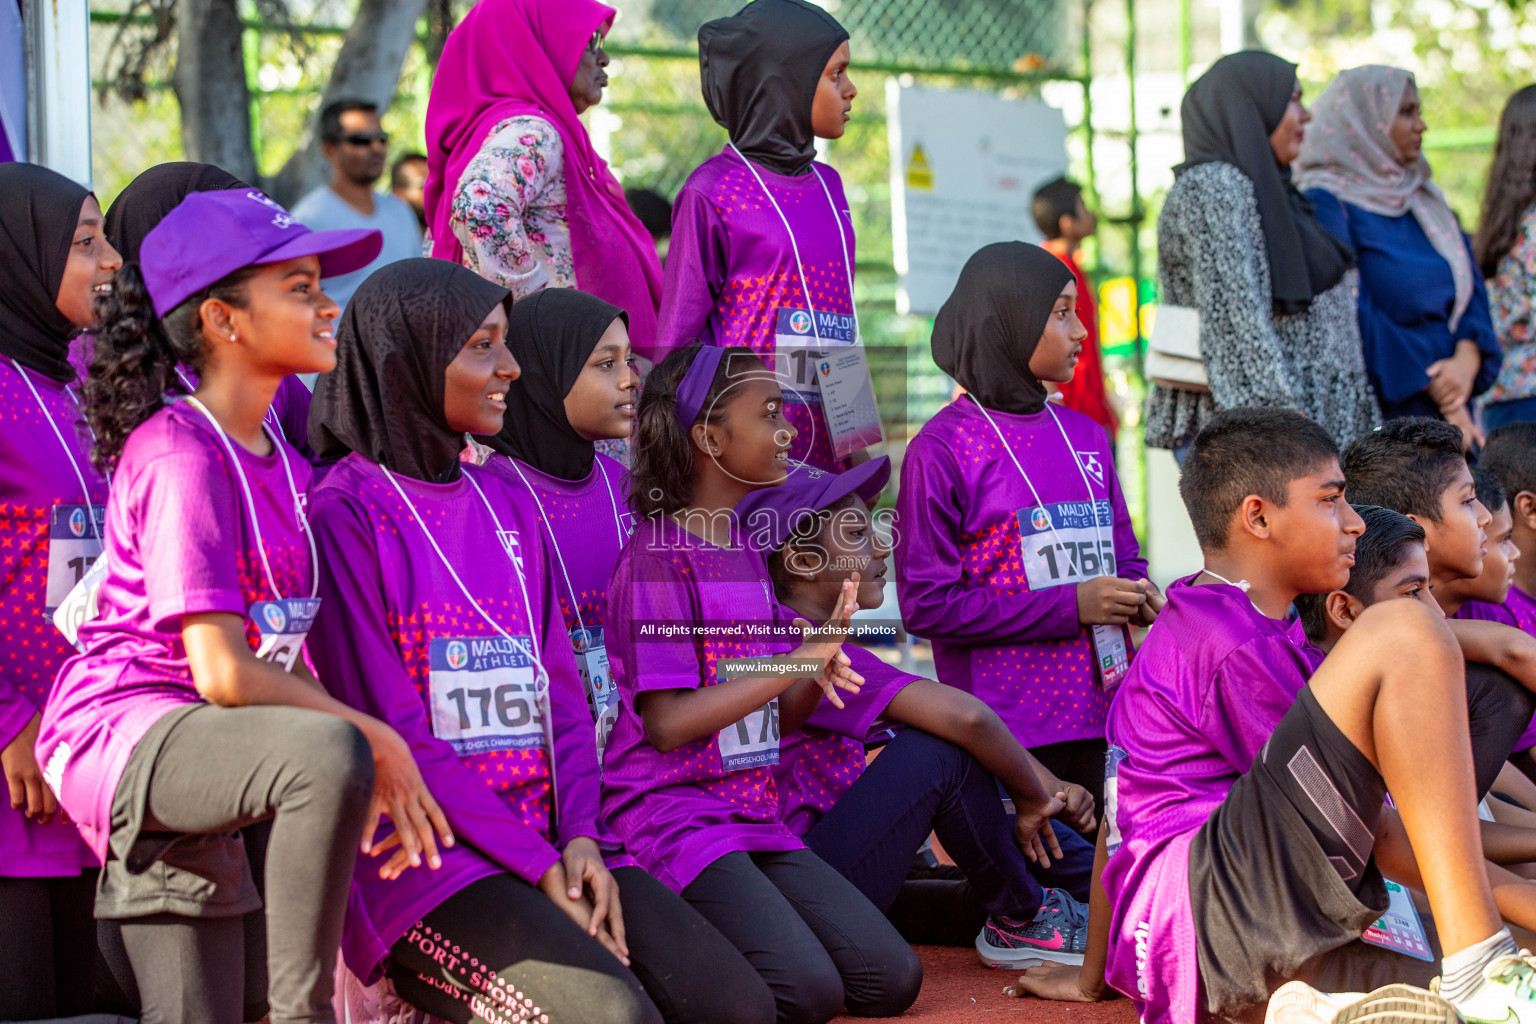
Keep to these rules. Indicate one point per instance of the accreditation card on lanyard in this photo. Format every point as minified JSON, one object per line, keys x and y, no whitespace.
{"x":587,"y":642}
{"x":487,"y":693}
{"x":1064,"y":542}
{"x":282,"y":623}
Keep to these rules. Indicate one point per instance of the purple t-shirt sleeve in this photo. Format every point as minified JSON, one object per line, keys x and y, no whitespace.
{"x":860,"y":711}
{"x":660,"y":595}
{"x":360,"y":664}
{"x":695,"y":272}
{"x":934,"y":603}
{"x":184,"y":514}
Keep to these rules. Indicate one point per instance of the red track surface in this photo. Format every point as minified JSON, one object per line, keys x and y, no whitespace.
{"x":956,"y":988}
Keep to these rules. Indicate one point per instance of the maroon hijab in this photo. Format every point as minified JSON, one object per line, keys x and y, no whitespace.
{"x":517,"y":57}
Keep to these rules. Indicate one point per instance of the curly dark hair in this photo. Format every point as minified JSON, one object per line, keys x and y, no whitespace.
{"x":661,"y":479}
{"x":134,"y":364}
{"x":1511,"y":181}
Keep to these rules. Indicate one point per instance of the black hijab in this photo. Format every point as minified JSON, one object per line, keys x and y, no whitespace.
{"x":39,"y":209}
{"x":384,"y":399}
{"x":1228,"y":115}
{"x":990,"y":325}
{"x":552,"y":334}
{"x":155,"y":193}
{"x":759,"y":69}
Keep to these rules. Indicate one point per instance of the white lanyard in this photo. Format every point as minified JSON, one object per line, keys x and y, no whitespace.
{"x":842,"y":238}
{"x":1098,"y":536}
{"x":250,"y":502}
{"x":533,"y":633}
{"x":74,"y":464}
{"x":575,"y":598}
{"x":270,"y":419}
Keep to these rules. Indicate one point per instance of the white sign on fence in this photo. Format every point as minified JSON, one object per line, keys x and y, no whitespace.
{"x":964,"y":168}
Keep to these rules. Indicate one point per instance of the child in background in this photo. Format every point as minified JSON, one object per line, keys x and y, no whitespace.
{"x":688,"y":779}
{"x":56,"y":260}
{"x":577,"y":385}
{"x":440,"y":581}
{"x":1015,"y":552}
{"x":762,"y":247}
{"x":1226,"y":874}
{"x":1483,"y":597}
{"x":1510,"y":458}
{"x":1064,"y":220}
{"x":941,"y":770}
{"x":191,"y":711}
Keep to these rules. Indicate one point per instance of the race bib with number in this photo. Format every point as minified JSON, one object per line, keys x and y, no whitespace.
{"x":75,"y":542}
{"x":1400,"y":928}
{"x":794,"y":370}
{"x":794,"y":328}
{"x":486,"y":694}
{"x":1060,"y":544}
{"x":597,"y":680}
{"x":80,"y":606}
{"x":1112,"y":759}
{"x":282,"y":626}
{"x":753,"y":742}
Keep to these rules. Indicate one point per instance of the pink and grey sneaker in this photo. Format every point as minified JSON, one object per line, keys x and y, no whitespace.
{"x":1058,"y":934}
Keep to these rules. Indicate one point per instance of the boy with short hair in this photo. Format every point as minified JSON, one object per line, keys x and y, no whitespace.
{"x":1065,"y":221}
{"x":1389,"y":563}
{"x":1510,"y":458}
{"x":1247,"y":815}
{"x":1483,"y":596}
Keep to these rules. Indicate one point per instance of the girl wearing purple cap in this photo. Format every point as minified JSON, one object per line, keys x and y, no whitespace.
{"x":688,"y":776}
{"x":1015,"y":553}
{"x":577,"y":386}
{"x":940,"y":774}
{"x":446,"y":624}
{"x":56,"y":260}
{"x":762,"y":248}
{"x":191,"y":711}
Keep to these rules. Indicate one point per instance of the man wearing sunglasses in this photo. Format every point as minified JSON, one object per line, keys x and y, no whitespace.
{"x":358,"y":151}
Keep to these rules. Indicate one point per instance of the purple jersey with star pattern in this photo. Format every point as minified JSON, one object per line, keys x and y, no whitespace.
{"x":731,"y":268}
{"x":677,"y":812}
{"x":179,"y":542}
{"x":35,"y":475}
{"x":960,"y":571}
{"x":589,"y":521}
{"x":386,"y":596}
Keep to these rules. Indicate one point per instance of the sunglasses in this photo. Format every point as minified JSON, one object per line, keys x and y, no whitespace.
{"x":361,"y":139}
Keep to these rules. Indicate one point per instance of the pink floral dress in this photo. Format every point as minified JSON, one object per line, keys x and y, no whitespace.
{"x":1511,"y":294}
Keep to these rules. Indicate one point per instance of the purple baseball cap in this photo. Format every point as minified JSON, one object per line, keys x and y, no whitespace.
{"x":770,"y":514}
{"x":210,"y":235}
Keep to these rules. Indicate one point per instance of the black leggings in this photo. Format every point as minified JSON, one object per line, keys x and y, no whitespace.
{"x":48,"y":954}
{"x":499,"y":952}
{"x":814,"y":938}
{"x":224,"y":768}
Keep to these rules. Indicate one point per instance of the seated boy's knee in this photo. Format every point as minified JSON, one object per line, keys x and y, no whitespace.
{"x":332,"y":749}
{"x":817,"y":994}
{"x":618,"y":1001}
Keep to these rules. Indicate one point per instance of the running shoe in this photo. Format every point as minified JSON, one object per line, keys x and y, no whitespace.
{"x":1058,"y":934}
{"x":1299,"y":1003}
{"x":1507,"y":994}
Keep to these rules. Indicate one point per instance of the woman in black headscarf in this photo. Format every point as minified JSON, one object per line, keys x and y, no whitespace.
{"x":55,"y":261}
{"x":1238,"y":243}
{"x":438,"y":580}
{"x":758,"y":226}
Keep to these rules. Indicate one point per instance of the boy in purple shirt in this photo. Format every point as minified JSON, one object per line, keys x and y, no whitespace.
{"x":762,"y":248}
{"x":1510,"y":458}
{"x":1247,"y":814}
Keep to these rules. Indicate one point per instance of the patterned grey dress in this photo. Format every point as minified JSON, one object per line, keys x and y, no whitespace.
{"x":1211,"y":256}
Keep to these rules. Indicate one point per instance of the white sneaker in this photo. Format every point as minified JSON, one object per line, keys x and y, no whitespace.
{"x":1297,"y":1002}
{"x":1507,"y":994}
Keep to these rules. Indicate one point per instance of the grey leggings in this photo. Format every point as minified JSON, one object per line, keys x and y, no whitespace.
{"x":225,"y":768}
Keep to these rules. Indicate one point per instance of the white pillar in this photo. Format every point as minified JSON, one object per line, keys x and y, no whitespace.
{"x":1238,"y":30}
{"x":59,"y":86}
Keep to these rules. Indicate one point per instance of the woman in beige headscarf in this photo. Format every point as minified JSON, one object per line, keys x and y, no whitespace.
{"x":1424,"y":321}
